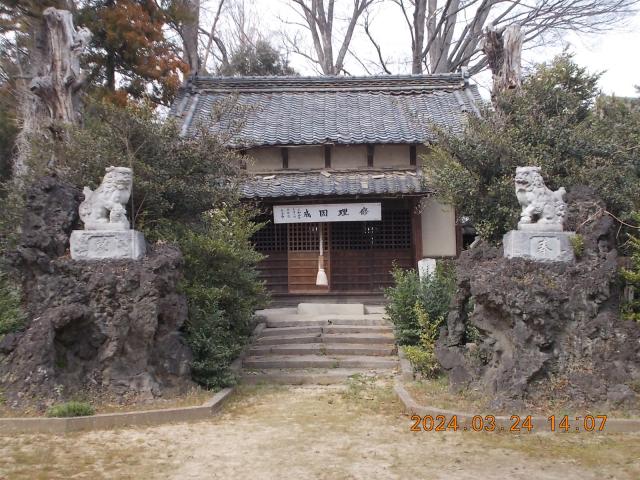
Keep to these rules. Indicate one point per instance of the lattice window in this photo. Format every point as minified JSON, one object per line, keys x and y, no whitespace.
{"x":304,"y":237}
{"x":393,"y":232}
{"x":271,"y":238}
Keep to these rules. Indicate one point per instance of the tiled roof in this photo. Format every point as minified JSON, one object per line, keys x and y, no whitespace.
{"x":322,"y":184}
{"x":320,"y":110}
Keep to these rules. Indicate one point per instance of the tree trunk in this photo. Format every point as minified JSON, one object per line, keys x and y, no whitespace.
{"x":504,"y":50}
{"x":419,"y":19}
{"x":52,"y":96}
{"x":60,"y":77}
{"x":189,"y":32}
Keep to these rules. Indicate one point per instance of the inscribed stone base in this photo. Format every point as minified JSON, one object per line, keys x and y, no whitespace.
{"x":539,"y":246}
{"x":107,"y":244}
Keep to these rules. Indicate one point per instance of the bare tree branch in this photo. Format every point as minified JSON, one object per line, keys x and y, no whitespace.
{"x":319,"y":17}
{"x":212,"y":34}
{"x":362,"y":64}
{"x":448,"y":34}
{"x":382,"y":61}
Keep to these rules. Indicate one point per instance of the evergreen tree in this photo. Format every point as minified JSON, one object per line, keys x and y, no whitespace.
{"x":259,"y":59}
{"x":557,"y":121}
{"x":130,"y":54}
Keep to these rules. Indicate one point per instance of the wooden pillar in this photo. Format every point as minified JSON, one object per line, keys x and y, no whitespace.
{"x":370,"y":152}
{"x":413,"y":155}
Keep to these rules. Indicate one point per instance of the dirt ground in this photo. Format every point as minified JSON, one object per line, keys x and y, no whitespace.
{"x":332,"y":433}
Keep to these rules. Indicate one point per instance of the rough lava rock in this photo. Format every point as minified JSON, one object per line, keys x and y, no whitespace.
{"x":548,"y":331}
{"x":108,"y":328}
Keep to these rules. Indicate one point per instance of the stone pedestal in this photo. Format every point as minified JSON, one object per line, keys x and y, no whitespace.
{"x":107,"y":244}
{"x":542,"y":246}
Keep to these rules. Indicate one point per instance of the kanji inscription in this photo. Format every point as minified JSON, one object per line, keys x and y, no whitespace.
{"x":335,"y":212}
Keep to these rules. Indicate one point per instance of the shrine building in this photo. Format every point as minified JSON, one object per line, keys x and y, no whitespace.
{"x":337,"y":161}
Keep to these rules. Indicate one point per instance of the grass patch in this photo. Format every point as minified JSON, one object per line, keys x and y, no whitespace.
{"x":367,"y":392}
{"x":71,"y":409}
{"x":435,"y":393}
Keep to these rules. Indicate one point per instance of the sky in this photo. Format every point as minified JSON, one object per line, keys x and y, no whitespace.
{"x":613,"y":53}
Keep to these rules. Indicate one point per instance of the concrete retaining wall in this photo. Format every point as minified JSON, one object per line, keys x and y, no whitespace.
{"x":112,"y":420}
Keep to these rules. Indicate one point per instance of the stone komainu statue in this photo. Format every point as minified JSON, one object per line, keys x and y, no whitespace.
{"x":104,"y":208}
{"x":539,"y":204}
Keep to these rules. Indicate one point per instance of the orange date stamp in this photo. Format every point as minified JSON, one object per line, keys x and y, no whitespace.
{"x":514,"y":424}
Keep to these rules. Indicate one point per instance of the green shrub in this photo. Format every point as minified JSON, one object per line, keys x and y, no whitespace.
{"x":11,"y":315}
{"x":422,"y":356}
{"x":577,"y":243}
{"x":423,"y":360}
{"x":402,"y":298}
{"x":418,"y":308}
{"x":631,"y":308}
{"x":412,"y":300}
{"x":71,"y":409}
{"x":222,"y":287}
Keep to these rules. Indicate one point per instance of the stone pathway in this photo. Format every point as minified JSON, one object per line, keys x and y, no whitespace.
{"x":321,"y":344}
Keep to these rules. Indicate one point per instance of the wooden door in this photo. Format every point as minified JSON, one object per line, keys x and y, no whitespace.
{"x":363,"y":253}
{"x":303,"y":251}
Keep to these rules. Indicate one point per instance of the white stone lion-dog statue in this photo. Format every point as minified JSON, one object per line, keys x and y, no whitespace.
{"x":105,"y":208}
{"x":541,"y":207}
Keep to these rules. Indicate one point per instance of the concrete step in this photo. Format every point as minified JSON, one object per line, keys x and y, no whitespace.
{"x":310,"y":376}
{"x":375,"y":309}
{"x":329,"y":329}
{"x":351,"y":329}
{"x":326,"y":320}
{"x":280,"y":332}
{"x":361,"y":338}
{"x":323,"y":349}
{"x":319,"y":361}
{"x":287,"y":339}
{"x":289,"y":300}
{"x":331,"y":308}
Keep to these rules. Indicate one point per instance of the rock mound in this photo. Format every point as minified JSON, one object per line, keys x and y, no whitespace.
{"x":547,"y":331}
{"x":106,"y":328}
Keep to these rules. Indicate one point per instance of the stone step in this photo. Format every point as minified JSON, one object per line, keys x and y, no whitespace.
{"x":351,"y":329}
{"x":329,"y":329}
{"x":362,"y":338}
{"x":326,"y":320}
{"x":287,"y":339}
{"x":323,"y":349}
{"x":330,"y":308}
{"x":319,"y":361}
{"x":280,"y":332}
{"x":289,"y":300}
{"x":310,"y":376}
{"x":375,"y":309}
